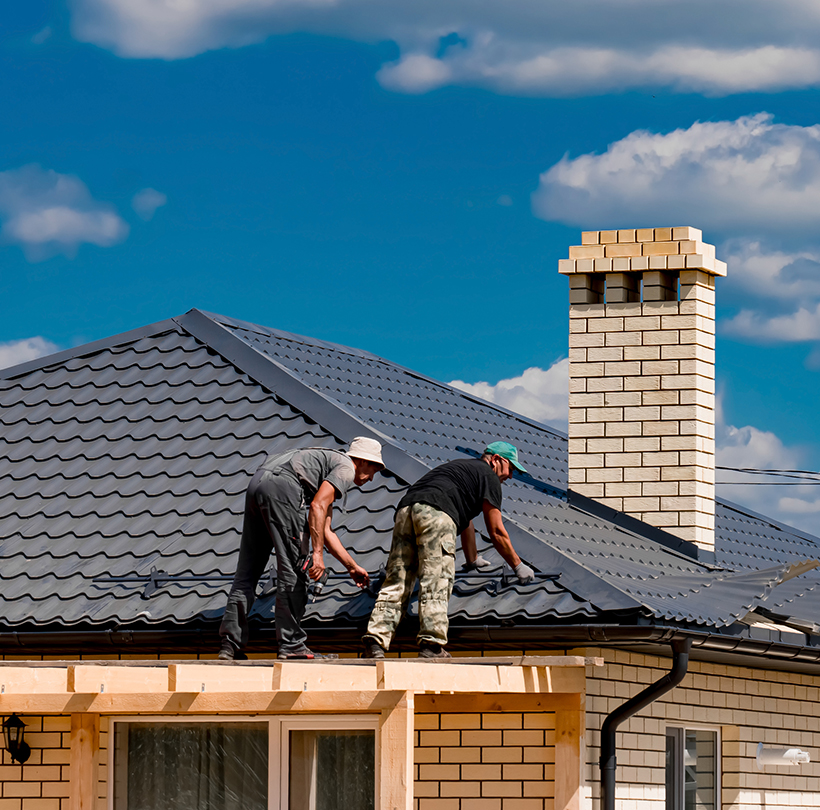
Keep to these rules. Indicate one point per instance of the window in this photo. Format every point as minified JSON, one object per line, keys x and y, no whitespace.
{"x":692,"y":773}
{"x":278,"y":763}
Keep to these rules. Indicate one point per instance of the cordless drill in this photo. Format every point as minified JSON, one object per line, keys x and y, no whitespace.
{"x":319,"y":584}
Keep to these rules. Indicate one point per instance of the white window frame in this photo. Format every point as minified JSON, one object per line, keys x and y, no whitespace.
{"x":684,"y":727}
{"x":279,"y":728}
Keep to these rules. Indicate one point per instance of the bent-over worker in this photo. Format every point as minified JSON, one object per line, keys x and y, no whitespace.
{"x":441,"y":504}
{"x":275,"y":504}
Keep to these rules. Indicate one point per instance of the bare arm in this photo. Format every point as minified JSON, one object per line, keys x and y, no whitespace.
{"x":468,"y":543}
{"x":498,"y":534}
{"x":322,"y":535}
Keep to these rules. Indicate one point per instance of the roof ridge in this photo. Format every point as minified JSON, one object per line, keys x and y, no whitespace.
{"x":370,"y":355}
{"x":83,"y":349}
{"x":745,"y":510}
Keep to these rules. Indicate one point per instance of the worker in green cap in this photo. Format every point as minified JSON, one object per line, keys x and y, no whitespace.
{"x":440,"y":505}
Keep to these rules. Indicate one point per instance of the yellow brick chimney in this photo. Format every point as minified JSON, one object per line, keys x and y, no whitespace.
{"x":642,"y":376}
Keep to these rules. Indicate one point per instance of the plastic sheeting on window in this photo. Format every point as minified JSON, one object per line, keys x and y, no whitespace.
{"x":191,"y":766}
{"x":332,"y":770}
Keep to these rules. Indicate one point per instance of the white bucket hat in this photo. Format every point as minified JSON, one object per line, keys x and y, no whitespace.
{"x":366,"y":449}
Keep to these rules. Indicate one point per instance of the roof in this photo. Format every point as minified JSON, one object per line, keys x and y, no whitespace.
{"x":124,"y":462}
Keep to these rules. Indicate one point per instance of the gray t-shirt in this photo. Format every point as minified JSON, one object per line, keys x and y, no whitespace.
{"x":314,"y":465}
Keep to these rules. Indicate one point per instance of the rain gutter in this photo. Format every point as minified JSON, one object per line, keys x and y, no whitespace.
{"x":607,"y":762}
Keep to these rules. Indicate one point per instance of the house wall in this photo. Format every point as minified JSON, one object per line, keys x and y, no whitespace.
{"x":493,"y":760}
{"x":747,"y":706}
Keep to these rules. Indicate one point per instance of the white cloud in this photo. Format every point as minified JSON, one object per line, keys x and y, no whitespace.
{"x":752,"y":448}
{"x":541,"y":394}
{"x":734,"y":177}
{"x":505,"y":200}
{"x":795,"y":327}
{"x":42,"y":35}
{"x":519,"y":46}
{"x":47,"y":213}
{"x":146,"y":202}
{"x":21,"y":351}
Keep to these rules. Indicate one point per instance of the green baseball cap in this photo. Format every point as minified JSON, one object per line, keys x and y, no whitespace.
{"x":505,"y":450}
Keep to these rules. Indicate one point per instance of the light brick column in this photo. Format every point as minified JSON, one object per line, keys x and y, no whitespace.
{"x":642,"y":376}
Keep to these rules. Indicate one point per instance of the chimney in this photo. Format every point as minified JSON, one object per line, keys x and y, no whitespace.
{"x":642,"y":376}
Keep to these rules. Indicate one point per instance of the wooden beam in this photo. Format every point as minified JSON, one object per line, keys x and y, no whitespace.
{"x":204,"y":678}
{"x":499,"y":702}
{"x":85,"y":747}
{"x":396,"y":755}
{"x":570,"y":728}
{"x":32,"y":680}
{"x":295,"y":676}
{"x":266,"y":702}
{"x":96,"y":678}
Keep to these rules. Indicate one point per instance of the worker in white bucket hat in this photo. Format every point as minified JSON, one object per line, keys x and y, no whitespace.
{"x":275,"y":504}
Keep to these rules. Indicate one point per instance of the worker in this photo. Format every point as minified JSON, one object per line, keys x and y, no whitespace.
{"x":441,"y":504}
{"x":275,"y":504}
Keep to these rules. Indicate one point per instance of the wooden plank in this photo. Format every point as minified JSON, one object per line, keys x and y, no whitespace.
{"x":204,"y":678}
{"x":85,"y":747}
{"x":499,"y":702}
{"x":201,"y":702}
{"x":570,"y":727}
{"x":28,"y":680}
{"x":421,"y":677}
{"x":396,"y":755}
{"x":99,"y":678}
{"x":296,"y":676}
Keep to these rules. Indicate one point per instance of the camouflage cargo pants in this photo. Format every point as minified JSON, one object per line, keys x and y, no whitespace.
{"x":424,"y":545}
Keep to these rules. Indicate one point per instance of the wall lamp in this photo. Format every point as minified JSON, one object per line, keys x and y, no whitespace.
{"x":13,"y":733}
{"x":780,"y":756}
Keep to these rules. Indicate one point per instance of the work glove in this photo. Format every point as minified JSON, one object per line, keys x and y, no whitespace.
{"x":477,"y":564}
{"x":524,"y":573}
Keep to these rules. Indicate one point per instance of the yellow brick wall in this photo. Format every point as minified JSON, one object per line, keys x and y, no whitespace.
{"x":491,"y":761}
{"x":746,"y":705}
{"x":505,"y":761}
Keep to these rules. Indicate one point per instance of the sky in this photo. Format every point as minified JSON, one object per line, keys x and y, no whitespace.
{"x":404,"y":177}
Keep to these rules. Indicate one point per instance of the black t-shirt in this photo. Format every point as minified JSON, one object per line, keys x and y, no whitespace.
{"x":457,"y":488}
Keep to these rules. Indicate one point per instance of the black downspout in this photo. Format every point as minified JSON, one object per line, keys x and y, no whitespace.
{"x":680,"y":663}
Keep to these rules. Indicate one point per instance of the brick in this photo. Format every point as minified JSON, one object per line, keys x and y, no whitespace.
{"x":626,"y":235}
{"x":640,"y":504}
{"x":611,"y":353}
{"x":586,"y":252}
{"x":505,"y":754}
{"x":438,"y":772}
{"x":481,"y":737}
{"x":623,"y":250}
{"x":660,"y":397}
{"x":660,"y":366}
{"x":623,"y":460}
{"x":464,"y":790}
{"x":605,"y":384}
{"x":643,"y":413}
{"x":642,"y":323}
{"x":616,"y":399}
{"x":605,"y":414}
{"x":607,"y":237}
{"x":639,"y":383}
{"x":586,"y":340}
{"x":661,"y":338}
{"x":612,"y":445}
{"x":21,"y":789}
{"x":502,"y":720}
{"x":603,"y":475}
{"x":687,"y":233}
{"x":523,"y":737}
{"x":586,"y":429}
{"x":643,"y":473}
{"x":514,"y":789}
{"x":425,"y":755}
{"x":662,"y":459}
{"x":615,"y":324}
{"x":426,"y":721}
{"x":660,"y":248}
{"x":623,"y":429}
{"x":586,"y":369}
{"x":41,"y":804}
{"x":642,"y":353}
{"x":440,"y":738}
{"x":623,"y":338}
{"x":622,"y":489}
{"x":439,"y":804}
{"x":584,"y":265}
{"x":460,"y":755}
{"x":591,"y":237}
{"x":425,"y":789}
{"x":59,"y":723}
{"x":660,"y":488}
{"x":622,"y":369}
{"x":642,"y":444}
{"x":41,"y":773}
{"x":483,"y":772}
{"x":578,"y":355}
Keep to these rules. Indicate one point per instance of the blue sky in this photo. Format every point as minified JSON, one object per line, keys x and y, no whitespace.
{"x":404,"y":178}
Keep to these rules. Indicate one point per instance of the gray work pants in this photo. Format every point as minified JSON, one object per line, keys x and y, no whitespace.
{"x":274,"y":520}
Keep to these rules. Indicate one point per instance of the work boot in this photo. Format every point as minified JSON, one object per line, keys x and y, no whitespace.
{"x":230,"y":652}
{"x":305,"y":655}
{"x":429,"y":649}
{"x":372,"y":648}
